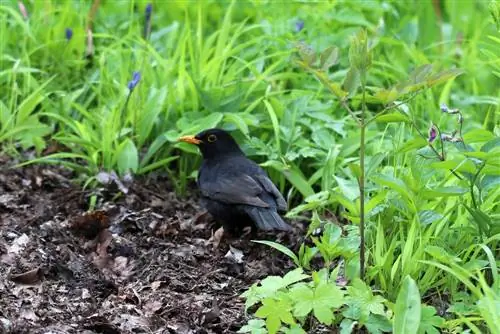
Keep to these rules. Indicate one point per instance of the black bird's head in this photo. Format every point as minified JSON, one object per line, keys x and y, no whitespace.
{"x":214,"y":143}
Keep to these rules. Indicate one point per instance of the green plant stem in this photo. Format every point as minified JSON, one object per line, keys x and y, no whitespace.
{"x":362,"y":181}
{"x":472,"y":183}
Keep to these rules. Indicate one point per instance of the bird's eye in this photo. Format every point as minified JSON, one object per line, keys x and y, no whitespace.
{"x":212,"y":138}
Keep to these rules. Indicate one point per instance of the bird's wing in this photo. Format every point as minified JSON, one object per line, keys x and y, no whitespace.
{"x":234,"y":189}
{"x":272,"y":190}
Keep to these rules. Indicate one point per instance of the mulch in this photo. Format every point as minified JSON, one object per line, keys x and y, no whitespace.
{"x":141,"y":262}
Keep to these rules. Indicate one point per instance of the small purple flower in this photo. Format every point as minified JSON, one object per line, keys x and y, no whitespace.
{"x":432,"y":133}
{"x":136,"y":77}
{"x":299,"y":25}
{"x":443,"y":107}
{"x":69,"y":34}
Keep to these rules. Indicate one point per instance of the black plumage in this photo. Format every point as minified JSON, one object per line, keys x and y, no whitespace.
{"x":234,"y":189}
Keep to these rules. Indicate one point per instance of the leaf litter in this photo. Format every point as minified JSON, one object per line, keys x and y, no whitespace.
{"x":148,"y":262}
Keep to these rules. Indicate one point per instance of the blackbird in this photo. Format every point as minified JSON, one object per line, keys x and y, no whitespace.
{"x":234,"y":189}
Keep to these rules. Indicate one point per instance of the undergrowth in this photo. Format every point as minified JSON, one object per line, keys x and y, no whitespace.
{"x":377,"y":120}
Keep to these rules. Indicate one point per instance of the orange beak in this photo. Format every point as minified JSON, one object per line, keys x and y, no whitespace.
{"x":190,"y":140}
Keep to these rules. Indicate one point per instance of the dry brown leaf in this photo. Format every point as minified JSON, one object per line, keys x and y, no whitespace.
{"x":29,"y":277}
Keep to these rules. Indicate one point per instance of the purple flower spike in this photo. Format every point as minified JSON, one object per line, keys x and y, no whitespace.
{"x":136,"y":77}
{"x":69,"y":34}
{"x":432,"y":133}
{"x":147,"y":22}
{"x":443,"y":107}
{"x":299,"y":25}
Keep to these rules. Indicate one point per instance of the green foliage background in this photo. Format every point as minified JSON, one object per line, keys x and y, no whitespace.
{"x":235,"y":65}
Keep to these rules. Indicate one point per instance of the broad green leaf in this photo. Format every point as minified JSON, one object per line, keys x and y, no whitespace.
{"x":275,"y":312}
{"x":294,"y":276}
{"x":393,"y":183}
{"x":393,"y":117}
{"x":482,"y":220}
{"x":362,"y":302}
{"x":352,"y":81}
{"x":31,"y":101}
{"x":441,"y":254}
{"x":444,"y":192}
{"x":329,"y":57}
{"x":378,"y":324}
{"x":348,"y":188}
{"x":297,"y":179}
{"x":128,"y":157}
{"x":428,"y":217}
{"x":238,"y":121}
{"x":478,"y":136}
{"x":407,"y":309}
{"x":443,"y":76}
{"x":460,"y":165}
{"x":153,"y":148}
{"x":493,"y":143}
{"x":254,"y":326}
{"x":347,"y":326}
{"x":413,"y":144}
{"x":429,"y":321}
{"x":386,"y":96}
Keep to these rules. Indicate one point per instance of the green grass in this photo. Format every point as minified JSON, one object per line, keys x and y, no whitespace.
{"x":430,"y":216}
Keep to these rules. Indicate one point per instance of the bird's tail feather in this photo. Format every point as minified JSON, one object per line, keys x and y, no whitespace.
{"x":267,"y":219}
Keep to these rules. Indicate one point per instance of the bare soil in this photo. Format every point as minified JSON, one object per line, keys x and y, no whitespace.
{"x":145,"y":262}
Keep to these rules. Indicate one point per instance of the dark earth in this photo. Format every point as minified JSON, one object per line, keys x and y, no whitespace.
{"x":145,"y":262}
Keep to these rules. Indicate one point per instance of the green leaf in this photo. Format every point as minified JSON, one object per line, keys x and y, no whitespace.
{"x":303,"y":296}
{"x":329,"y":57}
{"x":444,"y":192}
{"x":478,"y":136}
{"x":347,"y":326}
{"x":443,"y":76}
{"x":297,"y":179}
{"x":482,"y":220}
{"x":362,"y":302}
{"x":378,"y":324}
{"x":294,"y":276}
{"x":386,"y":96}
{"x":153,"y":148}
{"x":352,"y":81}
{"x":429,"y":321}
{"x":413,"y":144}
{"x":280,"y":248}
{"x":393,"y":117}
{"x":441,"y":254}
{"x":254,"y":326}
{"x":460,"y":165}
{"x":393,"y":183}
{"x":306,"y":52}
{"x":320,"y":300}
{"x":128,"y":157}
{"x":428,"y":217}
{"x":275,"y":312}
{"x":407,"y":309}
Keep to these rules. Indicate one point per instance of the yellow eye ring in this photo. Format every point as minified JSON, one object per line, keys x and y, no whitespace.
{"x":212,"y":138}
